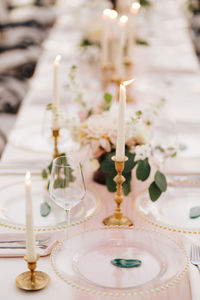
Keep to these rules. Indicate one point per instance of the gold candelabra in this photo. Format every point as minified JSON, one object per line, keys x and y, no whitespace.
{"x":32,"y":280}
{"x":55,"y":133}
{"x":118,"y":218}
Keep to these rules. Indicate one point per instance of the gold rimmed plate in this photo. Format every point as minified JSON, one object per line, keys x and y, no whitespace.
{"x":12,"y":208}
{"x":84,"y":261}
{"x":172,"y":210}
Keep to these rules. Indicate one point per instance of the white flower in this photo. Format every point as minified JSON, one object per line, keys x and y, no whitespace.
{"x":142,"y":152}
{"x":139,"y":132}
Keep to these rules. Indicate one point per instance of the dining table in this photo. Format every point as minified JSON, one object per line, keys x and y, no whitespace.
{"x":166,"y":68}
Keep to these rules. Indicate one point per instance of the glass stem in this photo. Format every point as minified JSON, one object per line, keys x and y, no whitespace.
{"x":67,"y":222}
{"x":68,"y":217}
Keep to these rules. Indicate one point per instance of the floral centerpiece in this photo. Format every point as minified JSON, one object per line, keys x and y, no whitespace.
{"x":98,"y":131}
{"x":96,"y":128}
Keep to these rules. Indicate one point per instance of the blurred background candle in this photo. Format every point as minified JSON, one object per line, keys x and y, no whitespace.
{"x":109,"y":17}
{"x":55,"y":101}
{"x":134,"y":10}
{"x":30,"y":236}
{"x":119,"y":51}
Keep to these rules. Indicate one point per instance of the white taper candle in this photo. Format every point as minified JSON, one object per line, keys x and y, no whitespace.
{"x":120,"y":148}
{"x":30,"y":236}
{"x":55,"y":100}
{"x":121,"y":131}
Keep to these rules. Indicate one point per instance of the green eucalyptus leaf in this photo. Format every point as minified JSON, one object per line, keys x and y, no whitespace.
{"x":49,"y":106}
{"x":143,"y":169}
{"x":44,"y":174}
{"x":56,"y":184}
{"x":154,"y":191}
{"x":85,"y":43}
{"x":48,"y":184}
{"x":45,"y":209}
{"x":174,"y":154}
{"x":107,"y":98}
{"x":108,"y":165}
{"x":50,"y":167}
{"x":160,"y":181}
{"x":130,"y":163}
{"x":146,"y":3}
{"x":141,"y":42}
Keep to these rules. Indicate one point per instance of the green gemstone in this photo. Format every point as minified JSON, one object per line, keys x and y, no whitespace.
{"x":126,"y":263}
{"x":45,"y":209}
{"x":194,"y":212}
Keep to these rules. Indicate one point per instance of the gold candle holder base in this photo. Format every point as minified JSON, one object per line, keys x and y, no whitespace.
{"x":114,"y":221}
{"x":118,"y":218}
{"x":55,"y":134}
{"x":32,"y":280}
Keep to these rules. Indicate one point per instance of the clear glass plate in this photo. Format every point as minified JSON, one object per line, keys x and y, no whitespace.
{"x":12,"y":208}
{"x":84,"y":261}
{"x":171,"y":211}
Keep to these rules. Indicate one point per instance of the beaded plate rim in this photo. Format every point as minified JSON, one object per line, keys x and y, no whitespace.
{"x":145,"y":292}
{"x":161,"y":225}
{"x":53,"y":228}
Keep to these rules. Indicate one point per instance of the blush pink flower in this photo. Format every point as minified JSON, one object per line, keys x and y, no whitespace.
{"x":100,"y":132}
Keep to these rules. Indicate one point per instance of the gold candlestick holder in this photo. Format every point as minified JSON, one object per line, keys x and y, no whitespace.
{"x":32,"y":280}
{"x":107,"y":75}
{"x":55,"y":133}
{"x":118,"y":218}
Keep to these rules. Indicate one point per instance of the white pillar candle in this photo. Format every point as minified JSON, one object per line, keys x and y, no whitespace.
{"x":55,"y":101}
{"x":119,"y":58}
{"x":30,"y":236}
{"x":109,"y":16}
{"x":121,"y":132}
{"x":134,"y":9}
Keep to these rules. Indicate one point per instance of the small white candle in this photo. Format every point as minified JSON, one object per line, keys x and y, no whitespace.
{"x":109,"y":16}
{"x":30,"y":236}
{"x":120,"y":146}
{"x":119,"y":58}
{"x":134,"y":9}
{"x":55,"y":101}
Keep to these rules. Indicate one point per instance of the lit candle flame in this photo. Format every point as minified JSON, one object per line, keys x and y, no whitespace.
{"x":28,"y":178}
{"x":110,"y":13}
{"x":128,"y":82}
{"x":57,"y":60}
{"x":135,"y":7}
{"x":123,"y":20}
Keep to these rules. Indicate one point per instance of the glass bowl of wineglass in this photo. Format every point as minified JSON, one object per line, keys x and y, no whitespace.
{"x":67,"y":185}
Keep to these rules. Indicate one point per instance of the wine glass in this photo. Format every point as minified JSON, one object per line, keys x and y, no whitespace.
{"x":67,"y":186}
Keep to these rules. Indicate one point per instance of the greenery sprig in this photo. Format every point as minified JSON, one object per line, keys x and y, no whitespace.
{"x":141,"y":42}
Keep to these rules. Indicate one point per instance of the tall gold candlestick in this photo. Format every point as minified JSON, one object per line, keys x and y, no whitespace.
{"x":55,"y":133}
{"x":32,"y":280}
{"x":118,"y":218}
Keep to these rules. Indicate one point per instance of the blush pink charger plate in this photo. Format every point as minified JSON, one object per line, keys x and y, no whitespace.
{"x":84,"y":262}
